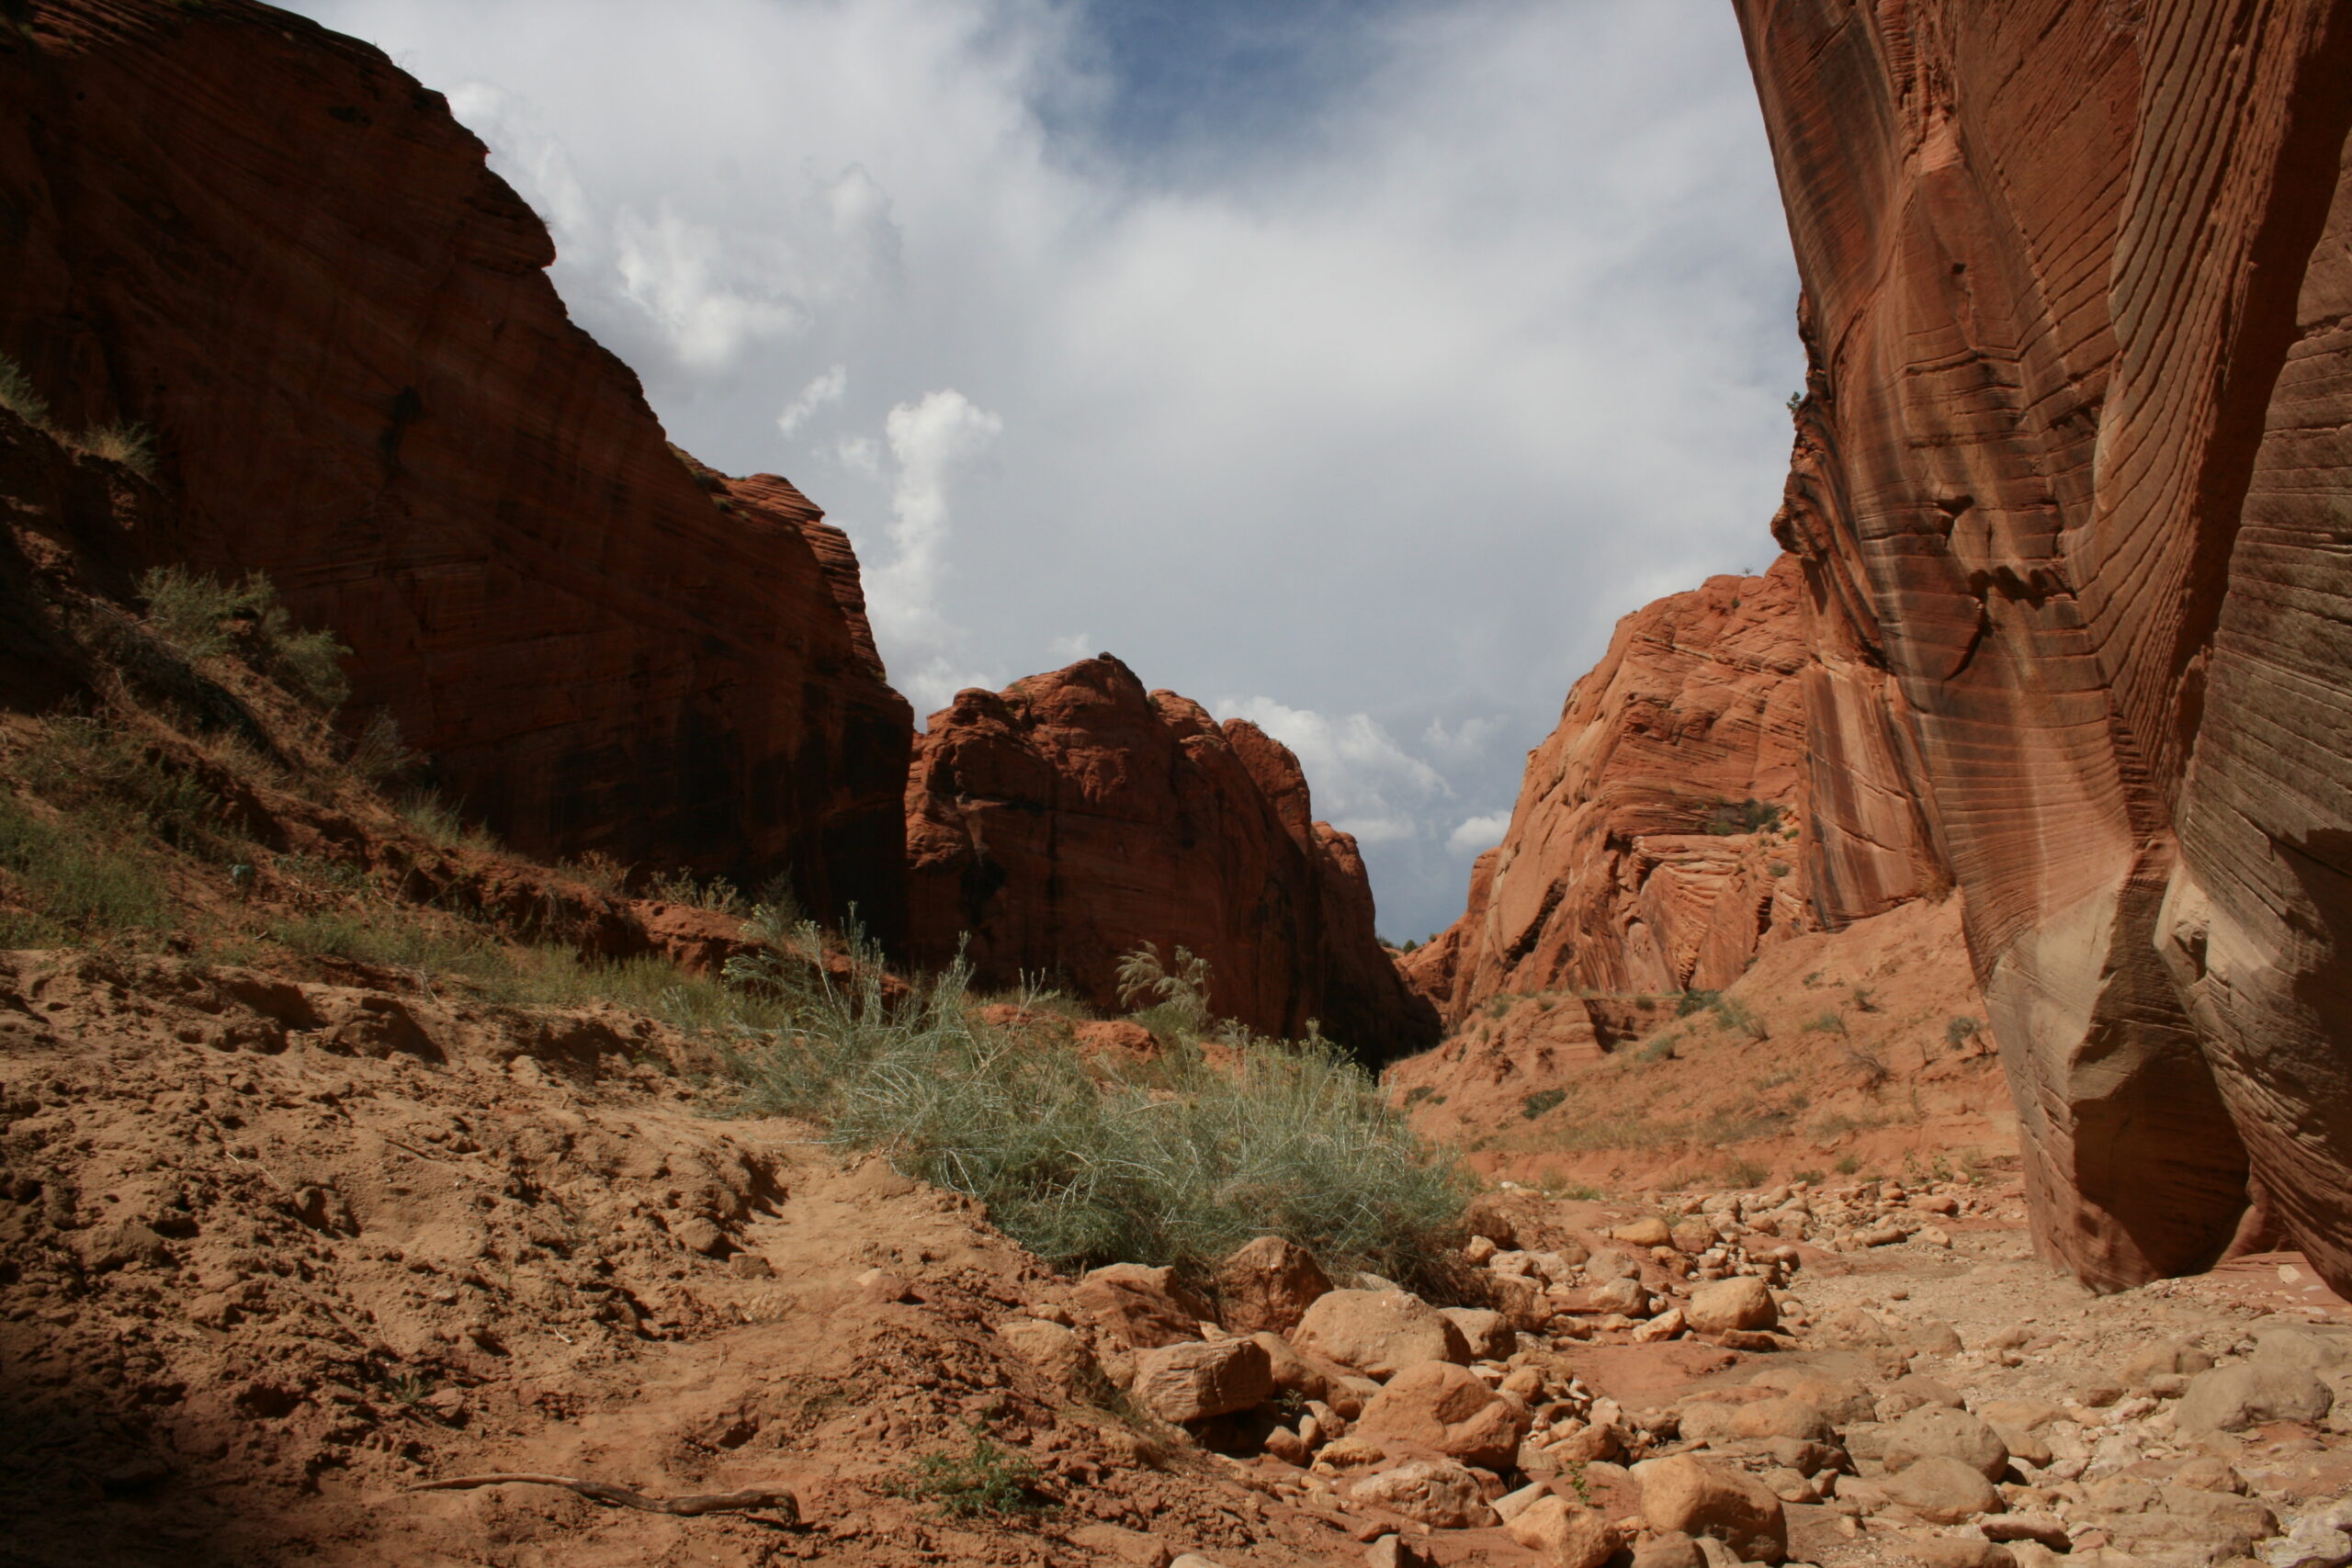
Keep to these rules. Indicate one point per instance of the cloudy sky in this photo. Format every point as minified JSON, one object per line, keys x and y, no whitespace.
{"x":1347,"y":364}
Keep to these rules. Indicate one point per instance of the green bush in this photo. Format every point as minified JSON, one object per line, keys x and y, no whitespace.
{"x":1730,"y":818}
{"x":1737,"y":1015}
{"x":1962,"y":1030}
{"x":1660,"y":1049}
{"x":1542,"y":1099}
{"x":1827,"y":1023}
{"x":1173,"y":1161}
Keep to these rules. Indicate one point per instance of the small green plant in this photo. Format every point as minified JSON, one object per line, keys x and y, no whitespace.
{"x":984,"y":1481}
{"x":1542,"y":1100}
{"x":1848,"y":1164}
{"x":1828,"y":1023}
{"x":1498,"y":1006}
{"x":1961,"y":1030}
{"x":1574,"y":1476}
{"x":1660,"y":1049}
{"x":1694,"y":1002}
{"x":20,"y":397}
{"x":1805,"y":1176}
{"x":1862,"y":998}
{"x":1779,"y":868}
{"x":1418,"y":1093}
{"x":406,"y":1389}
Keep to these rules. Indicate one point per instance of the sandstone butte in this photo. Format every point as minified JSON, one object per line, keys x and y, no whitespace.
{"x":2070,"y":498}
{"x":1053,"y":825}
{"x":281,"y":254}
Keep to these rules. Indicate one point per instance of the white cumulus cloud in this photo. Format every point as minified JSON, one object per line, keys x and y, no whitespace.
{"x":1478,"y":834}
{"x":823,"y":392}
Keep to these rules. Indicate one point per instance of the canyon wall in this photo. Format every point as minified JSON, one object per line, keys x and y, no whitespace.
{"x":1055,"y":826}
{"x":280,"y":252}
{"x":2070,"y":492}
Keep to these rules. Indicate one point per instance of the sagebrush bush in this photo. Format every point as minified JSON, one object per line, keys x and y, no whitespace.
{"x":202,"y":618}
{"x":1176,"y":1161}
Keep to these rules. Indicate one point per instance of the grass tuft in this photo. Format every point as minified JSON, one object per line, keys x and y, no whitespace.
{"x":984,"y":1481}
{"x":1173,"y":1161}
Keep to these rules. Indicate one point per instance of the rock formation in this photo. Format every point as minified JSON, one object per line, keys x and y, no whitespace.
{"x":1653,"y":846}
{"x":281,"y":254}
{"x":1055,"y":825}
{"x":2070,"y":491}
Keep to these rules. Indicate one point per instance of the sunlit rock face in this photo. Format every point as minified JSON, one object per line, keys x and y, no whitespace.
{"x":2074,"y":471}
{"x":1057,"y":825}
{"x":280,"y":252}
{"x":1655,"y":843}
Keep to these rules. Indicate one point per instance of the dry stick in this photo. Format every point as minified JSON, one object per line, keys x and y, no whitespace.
{"x":622,"y":1497}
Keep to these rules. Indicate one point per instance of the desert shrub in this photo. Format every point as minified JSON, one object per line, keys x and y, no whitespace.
{"x":1542,"y":1100}
{"x":115,"y":789}
{"x":1176,"y":1161}
{"x":1959,"y":1030}
{"x":1178,"y":985}
{"x":1660,"y":1050}
{"x":201,"y":618}
{"x":984,"y":1480}
{"x":1737,"y":1015}
{"x":129,"y":443}
{"x":1498,"y":1005}
{"x":1729,"y":818}
{"x":1827,"y":1023}
{"x":1848,"y":1164}
{"x":441,"y":822}
{"x":74,"y":881}
{"x":1418,"y":1093}
{"x":1864,"y":999}
{"x":1738,"y":1172}
{"x":717,"y":893}
{"x":1693,"y":1001}
{"x":19,"y":396}
{"x":1779,"y":868}
{"x":1808,"y":1176}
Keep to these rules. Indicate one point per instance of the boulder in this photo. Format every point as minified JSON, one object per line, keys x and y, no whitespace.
{"x":1379,"y":1332}
{"x":1489,"y":1335}
{"x":1194,"y":1381}
{"x":1699,"y":1497}
{"x":1312,"y":1377}
{"x":1060,"y":1354}
{"x":1744,"y":1303}
{"x":1141,"y":1307}
{"x":1435,"y":1491}
{"x":1647,"y":1231}
{"x":2305,"y":1348}
{"x":1628,"y":1296}
{"x":1440,"y":1407}
{"x":1840,"y":1399}
{"x":1395,"y":1551}
{"x":2166,"y":1357}
{"x":1266,"y":1285}
{"x":1566,"y":1535}
{"x":1943,"y":1489}
{"x":1936,"y":1431}
{"x":1781,"y":1417}
{"x":2231,"y":1399}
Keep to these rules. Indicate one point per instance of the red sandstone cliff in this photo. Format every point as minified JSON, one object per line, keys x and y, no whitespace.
{"x":2070,"y":486}
{"x":278,"y":251}
{"x":1635,"y":860}
{"x":1056,"y":824}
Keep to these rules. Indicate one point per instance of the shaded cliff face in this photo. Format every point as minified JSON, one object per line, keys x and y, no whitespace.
{"x":1057,"y":824}
{"x":1655,"y":844}
{"x":280,"y":252}
{"x":2072,"y":472}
